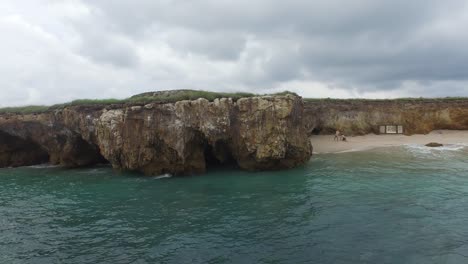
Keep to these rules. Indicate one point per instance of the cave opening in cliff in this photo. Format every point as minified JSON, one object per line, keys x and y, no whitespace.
{"x":86,"y":154}
{"x":17,"y":152}
{"x":320,"y":130}
{"x":316,"y":131}
{"x":219,"y":156}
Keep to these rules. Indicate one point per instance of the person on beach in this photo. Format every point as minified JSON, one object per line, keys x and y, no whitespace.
{"x":337,"y":136}
{"x":343,"y":137}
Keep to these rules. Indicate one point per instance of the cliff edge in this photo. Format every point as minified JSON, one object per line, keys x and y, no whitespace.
{"x":360,"y":117}
{"x":185,"y":137}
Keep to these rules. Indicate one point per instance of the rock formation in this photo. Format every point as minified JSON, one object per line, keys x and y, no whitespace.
{"x":359,"y":117}
{"x":255,"y":133}
{"x":434,"y":145}
{"x":16,"y":152}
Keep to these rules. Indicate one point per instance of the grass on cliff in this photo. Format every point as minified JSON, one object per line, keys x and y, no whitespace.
{"x":25,"y":109}
{"x":179,"y":95}
{"x":402,"y":99}
{"x":159,"y":97}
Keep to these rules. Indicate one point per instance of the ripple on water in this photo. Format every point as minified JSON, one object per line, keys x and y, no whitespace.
{"x":392,"y":205}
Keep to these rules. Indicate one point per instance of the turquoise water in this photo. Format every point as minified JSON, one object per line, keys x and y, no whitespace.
{"x":393,"y":205}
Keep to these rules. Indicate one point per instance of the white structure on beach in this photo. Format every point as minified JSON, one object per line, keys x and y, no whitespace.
{"x":391,"y":129}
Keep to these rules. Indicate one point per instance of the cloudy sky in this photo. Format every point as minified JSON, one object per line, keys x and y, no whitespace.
{"x":57,"y":50}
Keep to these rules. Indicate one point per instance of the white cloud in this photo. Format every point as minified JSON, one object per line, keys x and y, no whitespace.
{"x":58,"y":50}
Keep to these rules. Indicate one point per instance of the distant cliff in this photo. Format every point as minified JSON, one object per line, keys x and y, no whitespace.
{"x":183,"y":137}
{"x":358,"y":117}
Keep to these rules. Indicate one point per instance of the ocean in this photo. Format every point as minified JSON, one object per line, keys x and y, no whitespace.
{"x":405,"y":204}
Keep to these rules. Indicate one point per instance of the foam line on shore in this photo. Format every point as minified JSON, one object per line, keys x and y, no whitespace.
{"x":453,"y":140}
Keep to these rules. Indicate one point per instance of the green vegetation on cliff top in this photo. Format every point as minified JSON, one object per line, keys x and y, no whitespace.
{"x":179,"y":95}
{"x":401,"y":99}
{"x":160,"y":97}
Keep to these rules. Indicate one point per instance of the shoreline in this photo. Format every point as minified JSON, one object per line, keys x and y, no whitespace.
{"x":324,"y":144}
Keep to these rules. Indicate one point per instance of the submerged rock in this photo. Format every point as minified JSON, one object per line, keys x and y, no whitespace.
{"x":434,"y":145}
{"x":255,"y":133}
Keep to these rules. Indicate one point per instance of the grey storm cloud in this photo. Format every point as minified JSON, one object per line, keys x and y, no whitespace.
{"x":61,"y":50}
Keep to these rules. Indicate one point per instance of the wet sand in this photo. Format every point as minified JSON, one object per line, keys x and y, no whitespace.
{"x":325,"y":143}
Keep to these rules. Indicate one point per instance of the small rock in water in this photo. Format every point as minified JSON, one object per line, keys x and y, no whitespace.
{"x":434,"y":145}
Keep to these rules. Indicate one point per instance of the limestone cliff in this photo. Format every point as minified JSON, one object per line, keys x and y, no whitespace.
{"x":255,"y":133}
{"x":358,"y":117}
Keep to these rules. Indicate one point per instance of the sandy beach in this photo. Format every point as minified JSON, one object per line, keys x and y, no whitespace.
{"x":325,"y":143}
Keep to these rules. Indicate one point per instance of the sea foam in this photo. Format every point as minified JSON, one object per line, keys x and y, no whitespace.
{"x":422,"y":149}
{"x":163,"y":176}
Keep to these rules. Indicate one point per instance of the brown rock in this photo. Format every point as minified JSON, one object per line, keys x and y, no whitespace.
{"x":359,"y":117}
{"x":434,"y":145}
{"x":16,"y":152}
{"x":37,"y":137}
{"x":257,"y":133}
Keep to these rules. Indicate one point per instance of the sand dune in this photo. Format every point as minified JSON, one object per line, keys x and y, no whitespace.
{"x":325,"y":143}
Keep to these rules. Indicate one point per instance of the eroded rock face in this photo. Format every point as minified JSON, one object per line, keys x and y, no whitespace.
{"x":257,"y":133}
{"x":16,"y":152}
{"x":43,"y":134}
{"x":357,"y":117}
